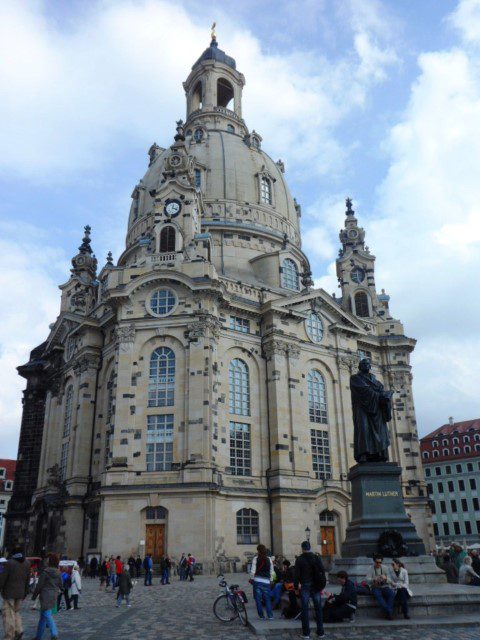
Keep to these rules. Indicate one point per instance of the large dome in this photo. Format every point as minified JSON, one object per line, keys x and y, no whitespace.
{"x":230,"y":182}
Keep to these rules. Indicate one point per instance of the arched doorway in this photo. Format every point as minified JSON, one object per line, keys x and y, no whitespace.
{"x":327,"y":533}
{"x":155,"y":532}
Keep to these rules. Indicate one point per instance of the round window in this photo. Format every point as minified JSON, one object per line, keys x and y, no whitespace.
{"x":314,"y":327}
{"x":162,"y":302}
{"x":357,"y":274}
{"x":198,"y":135}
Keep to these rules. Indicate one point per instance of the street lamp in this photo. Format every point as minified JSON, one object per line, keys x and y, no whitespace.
{"x":307,"y":533}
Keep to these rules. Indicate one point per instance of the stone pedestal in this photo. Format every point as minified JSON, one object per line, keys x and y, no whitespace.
{"x":377,"y":506}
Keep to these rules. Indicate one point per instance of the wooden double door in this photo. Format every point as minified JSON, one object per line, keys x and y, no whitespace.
{"x":327,"y":535}
{"x":155,"y":541}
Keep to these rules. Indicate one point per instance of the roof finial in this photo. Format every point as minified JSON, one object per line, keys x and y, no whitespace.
{"x":349,"y":211}
{"x":214,"y":35}
{"x":109,"y":259}
{"x":85,"y":246}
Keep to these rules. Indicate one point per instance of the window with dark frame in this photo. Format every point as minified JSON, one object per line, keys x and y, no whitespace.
{"x":320,"y":454}
{"x":247,"y":527}
{"x":240,"y":449}
{"x":167,"y":240}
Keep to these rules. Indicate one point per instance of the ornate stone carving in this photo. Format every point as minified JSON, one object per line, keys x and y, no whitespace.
{"x":204,"y":325}
{"x":293,"y":351}
{"x":85,"y":362}
{"x":347,"y":362}
{"x":275,"y":347}
{"x":125,"y":334}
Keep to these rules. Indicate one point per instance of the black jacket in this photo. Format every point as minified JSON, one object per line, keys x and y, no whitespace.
{"x":14,"y":578}
{"x":348,"y":595}
{"x":304,"y":567}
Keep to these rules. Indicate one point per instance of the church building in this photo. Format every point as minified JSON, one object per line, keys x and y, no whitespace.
{"x":194,"y":395}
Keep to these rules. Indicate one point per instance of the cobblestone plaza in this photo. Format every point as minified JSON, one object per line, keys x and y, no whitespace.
{"x":184,"y":610}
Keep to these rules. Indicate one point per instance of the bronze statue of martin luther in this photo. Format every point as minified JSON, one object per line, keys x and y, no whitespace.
{"x":372,"y":409}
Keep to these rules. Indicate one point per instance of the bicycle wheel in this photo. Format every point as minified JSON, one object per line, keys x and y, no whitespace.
{"x":242,"y":612}
{"x":224,"y":609}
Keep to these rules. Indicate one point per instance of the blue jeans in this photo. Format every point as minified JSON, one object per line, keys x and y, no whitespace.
{"x":305,"y":594}
{"x":166,"y":576}
{"x":121,"y":596}
{"x":46,"y":618}
{"x":384,"y":596}
{"x":148,"y":577}
{"x":277,"y":593}
{"x":261,"y":590}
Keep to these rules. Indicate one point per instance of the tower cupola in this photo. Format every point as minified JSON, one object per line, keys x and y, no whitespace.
{"x":213,"y":89}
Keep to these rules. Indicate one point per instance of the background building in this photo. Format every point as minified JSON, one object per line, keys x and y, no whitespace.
{"x":7,"y":477}
{"x":196,"y":393}
{"x":451,"y":459}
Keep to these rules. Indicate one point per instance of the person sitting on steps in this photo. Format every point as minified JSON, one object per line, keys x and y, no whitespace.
{"x":398,"y":580}
{"x":378,"y":582}
{"x":341,"y":606}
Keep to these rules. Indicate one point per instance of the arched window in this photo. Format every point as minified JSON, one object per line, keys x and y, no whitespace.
{"x":435,"y":443}
{"x":446,"y":452}
{"x":265,"y":190}
{"x":167,"y":240}
{"x":317,"y":398}
{"x":477,"y":447}
{"x":197,"y":97}
{"x":455,"y":441}
{"x":467,"y":448}
{"x":290,"y":275}
{"x":445,"y":443}
{"x":456,"y":451}
{"x":361,"y":305}
{"x":477,"y":437}
{"x":247,"y":527}
{"x":426,"y":454}
{"x":466,"y":438}
{"x":436,"y":454}
{"x":224,"y":93}
{"x":161,"y":387}
{"x":327,"y":516}
{"x":156,"y":513}
{"x":239,"y":390}
{"x":198,"y":135}
{"x":230,"y":128}
{"x":67,"y":420}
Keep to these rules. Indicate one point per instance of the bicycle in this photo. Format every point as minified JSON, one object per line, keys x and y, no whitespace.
{"x":231,"y":604}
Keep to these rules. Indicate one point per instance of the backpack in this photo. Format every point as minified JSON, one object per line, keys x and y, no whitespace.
{"x":319,"y":578}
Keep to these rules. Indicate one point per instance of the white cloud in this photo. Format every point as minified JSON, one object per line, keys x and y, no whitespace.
{"x":76,"y":96}
{"x":466,"y":18}
{"x":29,"y":268}
{"x":428,"y":237}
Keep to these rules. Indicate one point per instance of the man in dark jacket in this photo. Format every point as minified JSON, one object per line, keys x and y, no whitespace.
{"x":14,"y":580}
{"x":307,"y":572}
{"x":450,"y":569}
{"x":342,"y":605}
{"x":124,"y":587}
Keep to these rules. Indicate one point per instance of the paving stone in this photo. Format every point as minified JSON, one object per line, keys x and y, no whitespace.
{"x":184,"y":610}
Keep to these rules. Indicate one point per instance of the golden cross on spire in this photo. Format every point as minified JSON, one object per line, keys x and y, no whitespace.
{"x":214,"y":35}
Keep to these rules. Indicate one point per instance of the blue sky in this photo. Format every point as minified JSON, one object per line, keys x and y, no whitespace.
{"x":377,"y":100}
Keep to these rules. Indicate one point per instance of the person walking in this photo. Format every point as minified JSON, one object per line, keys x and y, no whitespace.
{"x":378,"y":582}
{"x":93,"y":567}
{"x":190,"y":566}
{"x":103,"y":574}
{"x":138,"y":566}
{"x":261,"y":574}
{"x":131,"y":567}
{"x":124,"y":587}
{"x":48,"y":586}
{"x":14,"y":584}
{"x":182,"y":567}
{"x":76,"y":586}
{"x":111,"y":573}
{"x":67,"y":583}
{"x":310,"y":574}
{"x":398,"y":580}
{"x":166,"y":565}
{"x":118,"y":569}
{"x":148,"y":566}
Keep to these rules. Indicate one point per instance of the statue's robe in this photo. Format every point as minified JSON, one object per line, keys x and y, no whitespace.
{"x":371,"y":407}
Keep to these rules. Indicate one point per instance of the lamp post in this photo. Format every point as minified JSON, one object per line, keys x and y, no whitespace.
{"x":307,"y":533}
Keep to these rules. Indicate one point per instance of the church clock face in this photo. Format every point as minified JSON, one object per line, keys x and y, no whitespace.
{"x":358,"y":275}
{"x":172,"y":208}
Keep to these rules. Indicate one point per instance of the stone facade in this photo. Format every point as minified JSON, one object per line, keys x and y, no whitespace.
{"x":198,"y":390}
